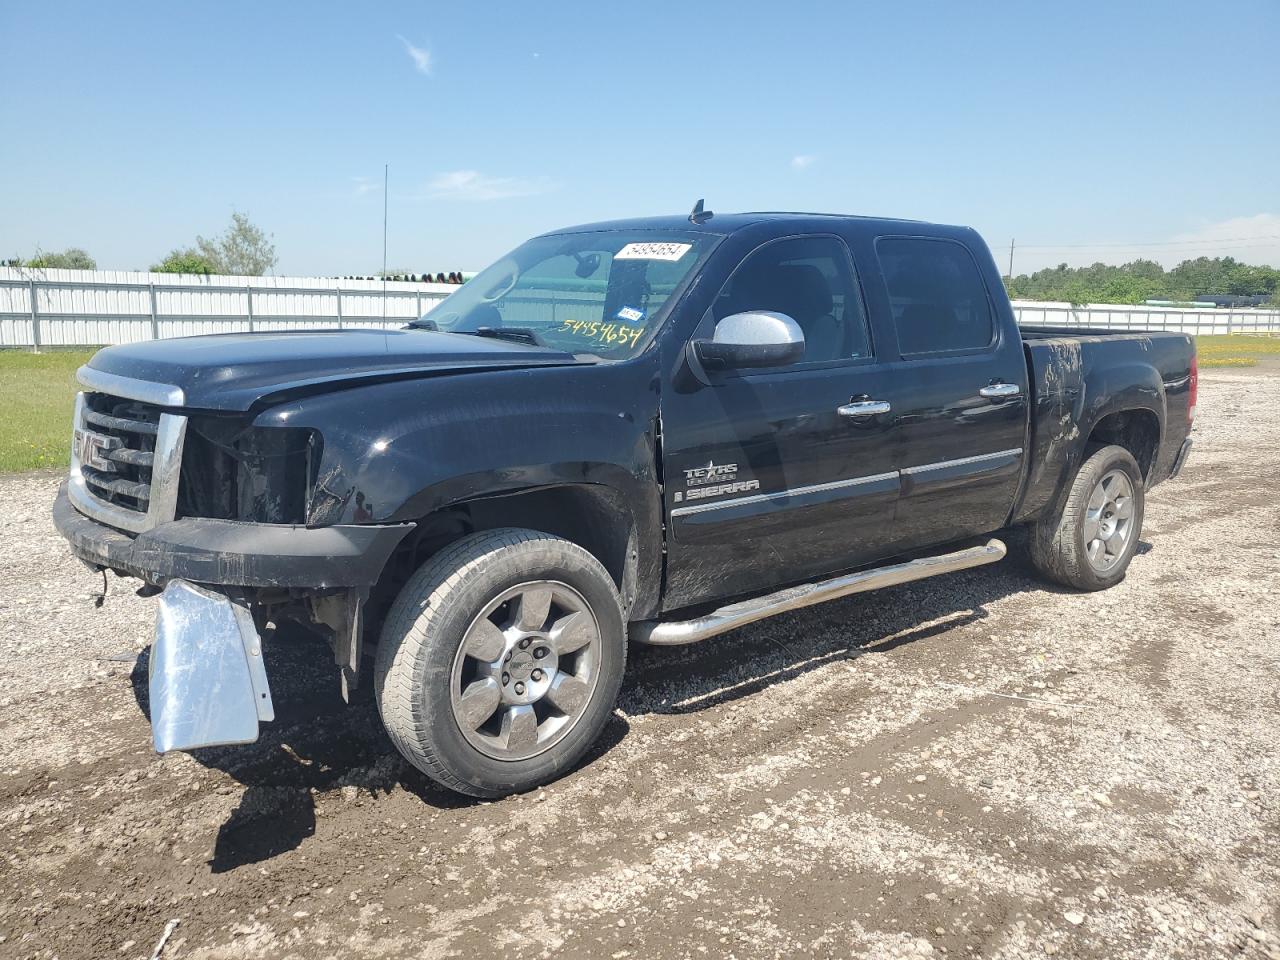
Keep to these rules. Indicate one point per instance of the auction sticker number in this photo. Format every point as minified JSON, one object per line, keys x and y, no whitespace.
{"x":653,"y":251}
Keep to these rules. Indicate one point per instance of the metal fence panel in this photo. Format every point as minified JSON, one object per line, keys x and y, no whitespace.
{"x":94,"y":307}
{"x":1128,"y":317}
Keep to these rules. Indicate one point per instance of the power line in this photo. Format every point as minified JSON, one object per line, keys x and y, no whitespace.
{"x":1218,"y":242}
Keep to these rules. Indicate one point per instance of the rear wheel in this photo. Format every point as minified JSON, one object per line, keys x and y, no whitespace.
{"x":500,"y":661}
{"x":1089,"y":545}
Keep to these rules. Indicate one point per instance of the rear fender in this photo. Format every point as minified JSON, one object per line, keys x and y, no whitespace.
{"x":1071,"y":400}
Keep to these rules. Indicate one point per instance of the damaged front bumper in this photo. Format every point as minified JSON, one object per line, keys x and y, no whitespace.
{"x":232,"y":552}
{"x":207,"y":681}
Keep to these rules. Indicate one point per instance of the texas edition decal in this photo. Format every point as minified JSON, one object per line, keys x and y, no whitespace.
{"x":713,"y":480}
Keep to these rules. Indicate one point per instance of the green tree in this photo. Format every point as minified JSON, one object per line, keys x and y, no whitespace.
{"x":186,"y":260}
{"x":242,"y":249}
{"x":72,"y":258}
{"x":1145,"y":280}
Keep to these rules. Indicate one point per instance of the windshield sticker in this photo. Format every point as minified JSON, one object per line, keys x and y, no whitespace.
{"x":609,"y":333}
{"x":630,"y":315}
{"x":653,"y":251}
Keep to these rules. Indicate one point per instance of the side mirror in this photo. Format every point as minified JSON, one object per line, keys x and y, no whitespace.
{"x":756,"y":338}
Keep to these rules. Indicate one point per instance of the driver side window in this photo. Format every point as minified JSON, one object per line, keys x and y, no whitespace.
{"x":811,"y":280}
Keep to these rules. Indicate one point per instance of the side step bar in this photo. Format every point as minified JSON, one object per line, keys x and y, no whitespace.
{"x":739,"y":614}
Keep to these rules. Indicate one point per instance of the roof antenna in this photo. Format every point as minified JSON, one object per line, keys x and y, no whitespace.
{"x":699,"y":215}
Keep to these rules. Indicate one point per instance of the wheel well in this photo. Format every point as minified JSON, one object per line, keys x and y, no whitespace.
{"x":593,"y":516}
{"x":1138,"y":431}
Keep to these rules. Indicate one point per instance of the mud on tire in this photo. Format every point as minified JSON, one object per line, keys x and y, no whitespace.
{"x":1089,"y":545}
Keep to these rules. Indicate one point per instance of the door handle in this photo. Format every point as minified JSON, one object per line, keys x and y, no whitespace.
{"x":864,"y":408}
{"x":1000,"y":391}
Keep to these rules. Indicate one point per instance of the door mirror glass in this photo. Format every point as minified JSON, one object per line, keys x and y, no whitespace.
{"x":755,"y":338}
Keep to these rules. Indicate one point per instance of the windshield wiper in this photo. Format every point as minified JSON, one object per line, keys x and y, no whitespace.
{"x":514,"y":334}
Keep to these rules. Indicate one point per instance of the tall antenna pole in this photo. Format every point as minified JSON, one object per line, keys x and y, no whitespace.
{"x":385,"y":178}
{"x":1010,"y":259}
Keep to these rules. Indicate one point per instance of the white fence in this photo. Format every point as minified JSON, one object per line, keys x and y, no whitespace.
{"x":1112,"y":316}
{"x":48,"y":308}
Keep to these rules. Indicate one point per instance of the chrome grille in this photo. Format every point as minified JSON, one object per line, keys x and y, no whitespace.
{"x":125,"y":460}
{"x":123,"y":434}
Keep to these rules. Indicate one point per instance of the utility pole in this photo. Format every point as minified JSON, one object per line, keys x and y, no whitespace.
{"x":385,"y":177}
{"x":1010,"y":259}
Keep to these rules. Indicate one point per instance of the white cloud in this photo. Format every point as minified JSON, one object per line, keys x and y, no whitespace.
{"x":420,"y":56}
{"x":1254,"y":239}
{"x":473,"y":185}
{"x":802,"y":160}
{"x":362,"y":185}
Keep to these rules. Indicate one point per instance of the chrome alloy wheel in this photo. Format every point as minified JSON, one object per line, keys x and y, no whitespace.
{"x":1108,"y":520}
{"x":525,"y":670}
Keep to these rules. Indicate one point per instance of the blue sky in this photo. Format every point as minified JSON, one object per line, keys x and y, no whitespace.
{"x":1075,"y":128}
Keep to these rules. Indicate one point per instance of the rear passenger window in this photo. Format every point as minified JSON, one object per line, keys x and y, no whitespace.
{"x":939,"y":302}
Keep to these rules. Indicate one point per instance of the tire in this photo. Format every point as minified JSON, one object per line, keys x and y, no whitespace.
{"x":450,"y":632}
{"x":1088,"y":545}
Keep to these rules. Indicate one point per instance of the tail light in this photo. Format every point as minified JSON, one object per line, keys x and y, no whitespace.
{"x":1195,"y":388}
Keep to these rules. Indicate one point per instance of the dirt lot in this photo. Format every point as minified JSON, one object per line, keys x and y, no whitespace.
{"x":972,"y":766}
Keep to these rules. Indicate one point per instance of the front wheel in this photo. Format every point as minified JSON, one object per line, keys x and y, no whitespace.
{"x":500,"y":661}
{"x":1088,"y":546}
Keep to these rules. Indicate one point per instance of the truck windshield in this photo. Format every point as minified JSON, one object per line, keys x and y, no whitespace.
{"x":598,"y":294}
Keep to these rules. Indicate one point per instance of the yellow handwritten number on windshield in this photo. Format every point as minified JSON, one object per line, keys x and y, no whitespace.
{"x":603,"y":332}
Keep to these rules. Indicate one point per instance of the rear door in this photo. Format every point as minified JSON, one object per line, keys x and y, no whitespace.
{"x":766,"y":480}
{"x":958,"y":389}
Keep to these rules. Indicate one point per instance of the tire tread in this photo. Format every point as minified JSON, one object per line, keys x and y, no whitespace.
{"x":1055,"y":550}
{"x":410,"y":624}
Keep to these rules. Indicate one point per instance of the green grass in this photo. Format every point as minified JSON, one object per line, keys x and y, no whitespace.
{"x":37,"y":392}
{"x":1235,"y":350}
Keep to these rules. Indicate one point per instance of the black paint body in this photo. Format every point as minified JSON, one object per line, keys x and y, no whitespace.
{"x":415,"y":422}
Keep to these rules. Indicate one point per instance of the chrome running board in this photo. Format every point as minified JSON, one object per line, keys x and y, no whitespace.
{"x":739,"y":614}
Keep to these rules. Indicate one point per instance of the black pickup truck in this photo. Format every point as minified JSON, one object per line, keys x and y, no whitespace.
{"x":656,"y":429}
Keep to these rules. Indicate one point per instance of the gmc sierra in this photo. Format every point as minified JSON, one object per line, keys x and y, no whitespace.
{"x":659,"y":429}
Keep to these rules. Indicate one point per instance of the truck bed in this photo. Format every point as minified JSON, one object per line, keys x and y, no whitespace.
{"x":1033,"y":332}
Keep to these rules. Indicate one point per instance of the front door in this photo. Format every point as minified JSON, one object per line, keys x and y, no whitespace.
{"x":781,"y":475}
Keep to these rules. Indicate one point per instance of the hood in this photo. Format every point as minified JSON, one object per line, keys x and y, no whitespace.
{"x":237,"y":371}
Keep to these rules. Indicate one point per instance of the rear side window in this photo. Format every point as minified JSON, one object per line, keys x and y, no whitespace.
{"x":938,"y":299}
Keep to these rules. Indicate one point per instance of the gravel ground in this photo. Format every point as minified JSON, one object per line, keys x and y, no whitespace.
{"x":976,"y":765}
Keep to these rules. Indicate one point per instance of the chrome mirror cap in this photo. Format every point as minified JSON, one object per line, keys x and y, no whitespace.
{"x":754,"y":338}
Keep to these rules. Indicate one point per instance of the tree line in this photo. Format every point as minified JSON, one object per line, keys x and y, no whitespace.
{"x":1141,"y":280}
{"x":243,"y":249}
